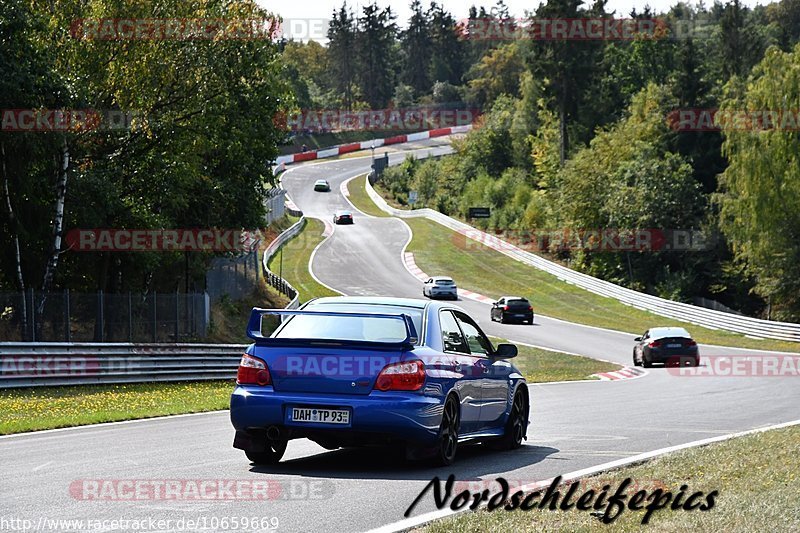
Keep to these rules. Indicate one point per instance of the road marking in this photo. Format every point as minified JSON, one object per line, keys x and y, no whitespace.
{"x":101,"y":424}
{"x":42,"y":466}
{"x":417,"y":521}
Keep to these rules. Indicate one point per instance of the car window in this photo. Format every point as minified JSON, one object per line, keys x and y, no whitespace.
{"x":351,"y":328}
{"x":452,"y":339}
{"x":477,"y":341}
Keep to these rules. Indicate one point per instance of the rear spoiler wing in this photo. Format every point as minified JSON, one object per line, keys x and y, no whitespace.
{"x":254,"y":328}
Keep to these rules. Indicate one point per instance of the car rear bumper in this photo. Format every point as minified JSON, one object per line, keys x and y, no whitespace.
{"x":444,"y":294}
{"x":672,"y":357}
{"x":524,"y":315}
{"x":410,"y":417}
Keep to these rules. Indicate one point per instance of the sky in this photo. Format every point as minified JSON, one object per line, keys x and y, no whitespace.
{"x":298,"y":9}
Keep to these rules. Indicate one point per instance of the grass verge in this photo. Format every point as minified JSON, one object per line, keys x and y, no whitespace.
{"x":359,"y":197}
{"x":543,"y":366}
{"x":295,"y":254}
{"x":439,"y":250}
{"x":757,"y":476}
{"x":57,"y":407}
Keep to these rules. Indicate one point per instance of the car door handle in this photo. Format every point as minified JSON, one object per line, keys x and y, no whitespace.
{"x":457,"y":367}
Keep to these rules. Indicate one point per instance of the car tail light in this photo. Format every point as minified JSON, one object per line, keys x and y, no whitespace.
{"x":530,"y":308}
{"x":691,"y":343}
{"x":506,"y":308}
{"x":253,"y":371}
{"x":655,"y":344}
{"x":409,"y":375}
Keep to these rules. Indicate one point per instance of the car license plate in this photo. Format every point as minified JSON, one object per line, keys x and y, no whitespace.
{"x":320,"y":416}
{"x":674,"y":345}
{"x":519,"y":316}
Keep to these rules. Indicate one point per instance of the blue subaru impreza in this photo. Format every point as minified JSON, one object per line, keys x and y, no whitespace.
{"x":361,"y":371}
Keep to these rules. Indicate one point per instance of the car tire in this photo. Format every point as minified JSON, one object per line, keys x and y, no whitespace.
{"x":274,"y":453}
{"x":515,"y":425}
{"x":646,"y":362}
{"x":635,"y":362}
{"x":447,"y":442}
{"x":502,"y":319}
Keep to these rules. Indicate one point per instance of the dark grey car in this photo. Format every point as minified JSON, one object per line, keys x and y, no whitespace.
{"x":668,"y":345}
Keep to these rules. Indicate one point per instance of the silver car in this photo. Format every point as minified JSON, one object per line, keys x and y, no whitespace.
{"x":440,"y":287}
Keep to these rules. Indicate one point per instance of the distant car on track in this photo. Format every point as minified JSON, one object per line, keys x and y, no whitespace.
{"x":440,"y":287}
{"x":343,"y":217}
{"x":668,"y":345}
{"x":361,"y":371}
{"x":322,"y":186}
{"x":511,"y":309}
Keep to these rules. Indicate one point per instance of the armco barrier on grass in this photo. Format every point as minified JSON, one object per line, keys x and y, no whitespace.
{"x":754,"y":327}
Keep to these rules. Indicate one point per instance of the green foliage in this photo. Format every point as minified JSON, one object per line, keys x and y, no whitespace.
{"x":760,"y":190}
{"x":195,"y":155}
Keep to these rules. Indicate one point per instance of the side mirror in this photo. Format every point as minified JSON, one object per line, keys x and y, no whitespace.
{"x":638,"y":339}
{"x":505,"y":351}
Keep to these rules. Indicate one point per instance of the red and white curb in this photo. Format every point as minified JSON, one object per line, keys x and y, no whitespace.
{"x":618,"y":375}
{"x":624,"y":373}
{"x":329,"y":227}
{"x":411,"y":266}
{"x":288,"y":159}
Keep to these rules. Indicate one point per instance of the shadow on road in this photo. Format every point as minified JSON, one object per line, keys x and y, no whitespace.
{"x":472,"y":462}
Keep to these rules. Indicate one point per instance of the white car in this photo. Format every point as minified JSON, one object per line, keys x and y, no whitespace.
{"x":440,"y":287}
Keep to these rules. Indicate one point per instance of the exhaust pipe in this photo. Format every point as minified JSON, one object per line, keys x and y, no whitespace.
{"x":273,"y":433}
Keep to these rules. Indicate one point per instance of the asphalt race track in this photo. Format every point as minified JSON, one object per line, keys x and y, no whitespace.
{"x":574,"y":425}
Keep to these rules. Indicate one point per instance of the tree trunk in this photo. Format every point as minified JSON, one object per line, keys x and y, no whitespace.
{"x":12,"y":224}
{"x":58,"y":229}
{"x":562,"y":119}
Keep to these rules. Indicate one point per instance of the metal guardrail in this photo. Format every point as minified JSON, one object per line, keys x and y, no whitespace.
{"x":708,"y":318}
{"x":275,"y":280}
{"x":36,"y":364}
{"x":26,"y":364}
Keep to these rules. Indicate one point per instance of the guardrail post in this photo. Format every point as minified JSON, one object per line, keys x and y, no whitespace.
{"x":67,"y":332}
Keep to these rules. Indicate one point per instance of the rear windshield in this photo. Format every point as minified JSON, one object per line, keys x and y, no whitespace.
{"x":351,"y":328}
{"x":518,"y":302}
{"x":444,"y":282}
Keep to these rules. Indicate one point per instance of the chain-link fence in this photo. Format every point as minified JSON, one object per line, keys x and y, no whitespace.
{"x":236,"y":277}
{"x":275,"y":205}
{"x":99,"y":317}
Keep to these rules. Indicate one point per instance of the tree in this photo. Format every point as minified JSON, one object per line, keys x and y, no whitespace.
{"x":342,"y":48}
{"x":376,"y":49}
{"x":447,"y":61}
{"x":417,"y":50}
{"x":760,"y":189}
{"x":568,"y":67}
